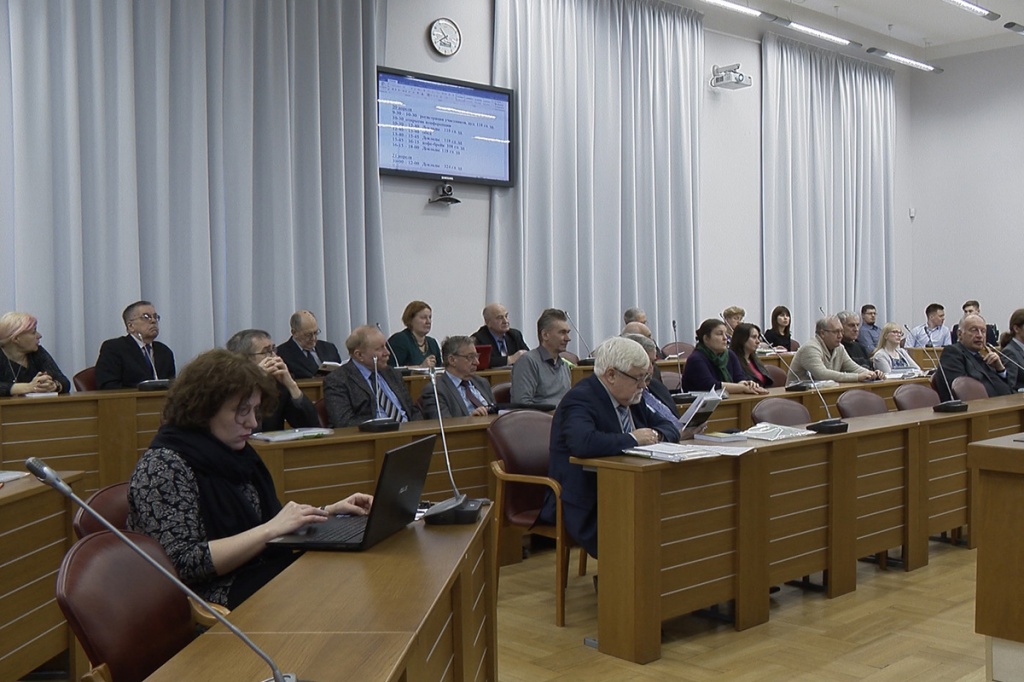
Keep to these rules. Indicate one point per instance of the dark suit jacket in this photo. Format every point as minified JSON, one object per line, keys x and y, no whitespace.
{"x":349,"y":400}
{"x":405,"y":352}
{"x":122,"y":364}
{"x":299,"y":364}
{"x":452,"y":404}
{"x":661,"y":392}
{"x":1014,"y":374}
{"x":513,"y":343}
{"x":298,"y":414}
{"x":958,"y":361}
{"x":587,"y":425}
{"x":700,"y":375}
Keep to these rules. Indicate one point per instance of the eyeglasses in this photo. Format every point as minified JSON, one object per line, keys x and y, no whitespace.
{"x":243,"y":411}
{"x":309,"y":335}
{"x":640,"y":381}
{"x":468,"y":356}
{"x":147,"y":317}
{"x":266,"y":352}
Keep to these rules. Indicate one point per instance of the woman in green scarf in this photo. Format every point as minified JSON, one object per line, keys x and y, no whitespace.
{"x":713,"y":366}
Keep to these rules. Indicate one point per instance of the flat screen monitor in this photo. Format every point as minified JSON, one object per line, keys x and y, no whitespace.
{"x":444,"y":129}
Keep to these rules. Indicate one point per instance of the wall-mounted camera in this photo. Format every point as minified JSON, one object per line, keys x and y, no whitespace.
{"x":445,"y":194}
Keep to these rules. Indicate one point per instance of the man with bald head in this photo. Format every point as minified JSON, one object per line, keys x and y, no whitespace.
{"x":365,"y":387}
{"x":304,"y":352}
{"x":507,"y":344}
{"x":972,"y":357}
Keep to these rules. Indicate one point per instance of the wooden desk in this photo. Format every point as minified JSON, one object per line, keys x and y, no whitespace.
{"x":35,"y":533}
{"x":680,"y":537}
{"x":925,"y":357}
{"x":419,"y":606}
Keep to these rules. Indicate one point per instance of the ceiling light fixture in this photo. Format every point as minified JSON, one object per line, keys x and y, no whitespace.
{"x":742,"y":9}
{"x":976,"y":10}
{"x":817,"y":34}
{"x":905,"y":61}
{"x":1015,"y":27}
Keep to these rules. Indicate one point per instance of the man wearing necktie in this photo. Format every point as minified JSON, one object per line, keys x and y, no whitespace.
{"x":126,"y":361}
{"x":460,"y":392}
{"x":600,"y":416}
{"x":971,"y":357}
{"x":365,"y":387}
{"x":304,"y":352}
{"x":507,"y":344}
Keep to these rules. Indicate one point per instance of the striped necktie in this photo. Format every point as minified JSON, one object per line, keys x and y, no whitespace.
{"x":625,"y":419}
{"x":385,"y":406}
{"x":467,"y":389}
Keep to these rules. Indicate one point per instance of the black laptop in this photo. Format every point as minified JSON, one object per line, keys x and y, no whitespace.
{"x":394,"y":505}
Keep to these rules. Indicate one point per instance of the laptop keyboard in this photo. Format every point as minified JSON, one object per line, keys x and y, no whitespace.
{"x":341,"y":529}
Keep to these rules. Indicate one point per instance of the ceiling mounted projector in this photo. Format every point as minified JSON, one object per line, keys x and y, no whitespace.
{"x":729,"y":77}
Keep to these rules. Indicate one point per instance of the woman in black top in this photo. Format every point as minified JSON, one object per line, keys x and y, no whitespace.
{"x":778,"y":335}
{"x":26,"y":367}
{"x":745,"y":340}
{"x":204,"y":493}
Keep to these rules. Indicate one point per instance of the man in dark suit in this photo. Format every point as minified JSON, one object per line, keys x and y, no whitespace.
{"x":128,"y":360}
{"x":600,"y":416}
{"x":460,"y":392}
{"x":507,"y":344}
{"x":355,"y":392}
{"x":657,"y":397}
{"x":851,"y":335}
{"x":303,"y":353}
{"x":971,"y":357}
{"x":292,"y":404}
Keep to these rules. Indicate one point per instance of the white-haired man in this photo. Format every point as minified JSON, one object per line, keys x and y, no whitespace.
{"x":601,"y":415}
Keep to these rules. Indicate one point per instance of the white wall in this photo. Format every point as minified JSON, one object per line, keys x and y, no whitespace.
{"x":436,"y":252}
{"x":966,"y":177}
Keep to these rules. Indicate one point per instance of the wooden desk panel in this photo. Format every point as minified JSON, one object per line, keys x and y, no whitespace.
{"x":418,"y":606}
{"x":35,"y":533}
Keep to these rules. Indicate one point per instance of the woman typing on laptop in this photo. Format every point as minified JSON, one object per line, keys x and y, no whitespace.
{"x":204,"y":493}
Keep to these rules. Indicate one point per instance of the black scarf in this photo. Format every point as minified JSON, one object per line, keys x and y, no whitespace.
{"x":221,"y":474}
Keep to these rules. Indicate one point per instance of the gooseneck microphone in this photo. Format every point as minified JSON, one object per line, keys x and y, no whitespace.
{"x":797,"y":385}
{"x":951,"y":405}
{"x":50,"y":478}
{"x":679,"y":363}
{"x":459,"y":509}
{"x":580,"y":337}
{"x":404,"y":371}
{"x":830,"y":424}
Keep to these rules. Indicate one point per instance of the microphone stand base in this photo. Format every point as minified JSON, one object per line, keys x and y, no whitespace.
{"x":453,"y":512}
{"x":799,"y":386}
{"x":951,"y":406}
{"x":286,"y":677}
{"x":829,"y":426}
{"x":378,"y":425}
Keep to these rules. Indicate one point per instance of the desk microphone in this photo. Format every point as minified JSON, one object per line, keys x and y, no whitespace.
{"x":379,"y":424}
{"x":50,"y":478}
{"x":796,"y":385}
{"x":457,"y":510}
{"x":679,"y":363}
{"x":587,"y":360}
{"x":1004,"y":356}
{"x":951,"y":405}
{"x":830,"y":424}
{"x":404,"y":371}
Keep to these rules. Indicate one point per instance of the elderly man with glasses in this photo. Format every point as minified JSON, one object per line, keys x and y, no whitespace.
{"x":460,"y":392}
{"x":292,"y":404}
{"x":127,"y":361}
{"x":824,"y":357}
{"x":304,"y":352}
{"x":601,"y":415}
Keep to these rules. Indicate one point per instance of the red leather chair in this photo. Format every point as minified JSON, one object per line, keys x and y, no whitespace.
{"x":672,"y":380}
{"x":966,"y":388}
{"x":679,"y":348}
{"x":914,"y":396}
{"x":502,"y":392}
{"x":857,"y":402}
{"x":777,"y":374}
{"x":112,"y":504}
{"x":129,"y":618}
{"x":321,"y":412}
{"x":85,"y":380}
{"x":570,"y":356}
{"x":781,"y":411}
{"x":520,"y":439}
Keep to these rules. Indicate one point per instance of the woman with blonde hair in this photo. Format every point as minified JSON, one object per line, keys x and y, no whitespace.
{"x":888,"y":356}
{"x":26,"y":367}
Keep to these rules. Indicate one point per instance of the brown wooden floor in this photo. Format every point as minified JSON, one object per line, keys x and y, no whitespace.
{"x":896,"y":626}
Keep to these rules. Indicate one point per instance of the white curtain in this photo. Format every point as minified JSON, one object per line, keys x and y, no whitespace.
{"x":209,"y":156}
{"x":604,"y":212}
{"x":828,"y":142}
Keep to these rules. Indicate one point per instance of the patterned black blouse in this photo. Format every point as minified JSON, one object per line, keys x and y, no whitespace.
{"x":163,"y":498}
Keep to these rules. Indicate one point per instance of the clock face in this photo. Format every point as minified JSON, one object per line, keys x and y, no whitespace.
{"x":445,"y":37}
